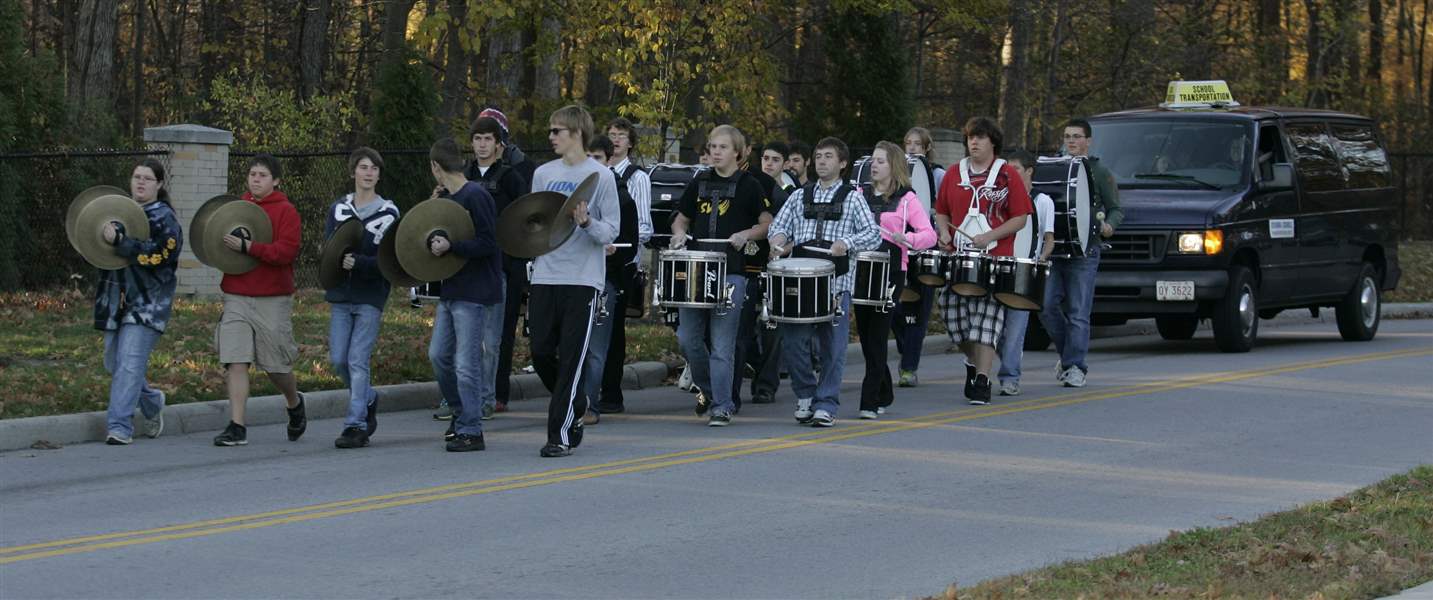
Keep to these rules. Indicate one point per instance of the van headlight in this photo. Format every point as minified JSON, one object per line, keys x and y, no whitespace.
{"x":1199,"y":242}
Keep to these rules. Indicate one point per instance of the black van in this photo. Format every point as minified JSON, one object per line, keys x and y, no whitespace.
{"x":1236,"y":214}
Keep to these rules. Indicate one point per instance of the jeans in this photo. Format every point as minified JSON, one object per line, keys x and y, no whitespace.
{"x":1012,"y":344}
{"x":352,"y":332}
{"x":597,"y":349}
{"x":829,"y":340}
{"x":492,"y":348}
{"x":909,"y":324}
{"x":457,"y":356}
{"x":1069,"y":296}
{"x":712,"y":365}
{"x":126,"y":357}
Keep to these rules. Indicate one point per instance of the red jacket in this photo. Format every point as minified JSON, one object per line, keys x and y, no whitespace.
{"x":275,"y":274}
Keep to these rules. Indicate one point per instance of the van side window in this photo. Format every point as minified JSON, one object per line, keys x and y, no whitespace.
{"x":1365,"y":160}
{"x":1271,"y":151}
{"x":1318,"y":165}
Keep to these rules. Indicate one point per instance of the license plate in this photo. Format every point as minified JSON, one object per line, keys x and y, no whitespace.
{"x":1173,"y":290}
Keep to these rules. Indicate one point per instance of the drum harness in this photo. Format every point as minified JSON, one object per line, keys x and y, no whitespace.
{"x":976,"y":222}
{"x":714,"y":192}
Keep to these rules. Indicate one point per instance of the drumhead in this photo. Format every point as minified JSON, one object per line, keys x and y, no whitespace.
{"x":801,"y":266}
{"x":874,"y":255}
{"x":698,"y":255}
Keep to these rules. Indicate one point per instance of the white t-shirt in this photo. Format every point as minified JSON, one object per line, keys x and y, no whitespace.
{"x":1045,"y":212}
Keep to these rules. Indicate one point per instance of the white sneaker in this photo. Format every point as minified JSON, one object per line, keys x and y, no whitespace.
{"x":1073,"y":377}
{"x":1059,"y":372}
{"x":1009,"y":388}
{"x":153,"y":427}
{"x":803,"y":411}
{"x":822,"y":418}
{"x":684,"y":382}
{"x":869,"y":415}
{"x":881,"y":410}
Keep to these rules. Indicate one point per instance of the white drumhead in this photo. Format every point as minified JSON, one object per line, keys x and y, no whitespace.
{"x":922,"y":181}
{"x":700,"y":255}
{"x":1082,"y":202}
{"x":874,"y":255}
{"x":800,"y":266}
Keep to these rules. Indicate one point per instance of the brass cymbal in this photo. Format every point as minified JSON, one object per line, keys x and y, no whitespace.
{"x":346,"y":238}
{"x":423,"y":221}
{"x":82,"y":199}
{"x":388,"y":260}
{"x":201,"y":218}
{"x":224,"y":215}
{"x":565,"y":224}
{"x":526,"y":225}
{"x":89,"y":229}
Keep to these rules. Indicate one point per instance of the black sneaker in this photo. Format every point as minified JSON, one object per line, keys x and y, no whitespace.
{"x":574,"y":433}
{"x":763,"y":399}
{"x":233,"y":435}
{"x":719,"y":420}
{"x":555,"y":450}
{"x":980,"y":388}
{"x":298,"y":421}
{"x":607,"y":408}
{"x":466,"y":443}
{"x":352,"y":437}
{"x":969,"y":380}
{"x":702,"y":404}
{"x":452,"y":431}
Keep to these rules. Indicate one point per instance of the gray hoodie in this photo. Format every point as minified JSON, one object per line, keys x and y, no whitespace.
{"x":580,"y":260}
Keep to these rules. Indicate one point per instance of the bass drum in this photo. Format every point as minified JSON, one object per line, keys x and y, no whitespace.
{"x":668,"y":183}
{"x":1066,"y":180}
{"x":922,"y":178}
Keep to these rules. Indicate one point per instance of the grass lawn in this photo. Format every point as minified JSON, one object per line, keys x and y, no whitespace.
{"x":1373,"y":542}
{"x":52,"y":359}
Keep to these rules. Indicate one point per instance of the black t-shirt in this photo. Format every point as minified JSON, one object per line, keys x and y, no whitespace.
{"x":740,"y":204}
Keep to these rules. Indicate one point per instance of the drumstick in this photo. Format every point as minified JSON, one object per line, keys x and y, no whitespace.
{"x":621,"y":245}
{"x":819,"y":249}
{"x":907,"y":243}
{"x":712,"y":240}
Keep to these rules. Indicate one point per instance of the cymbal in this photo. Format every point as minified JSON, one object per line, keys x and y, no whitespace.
{"x":526,"y":226}
{"x":89,"y":229}
{"x":345,"y":239}
{"x":423,"y":221}
{"x":565,"y":223}
{"x":82,"y":199}
{"x":388,"y":260}
{"x":224,"y":215}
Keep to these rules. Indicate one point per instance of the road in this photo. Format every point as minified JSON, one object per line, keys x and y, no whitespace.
{"x":655,"y":505}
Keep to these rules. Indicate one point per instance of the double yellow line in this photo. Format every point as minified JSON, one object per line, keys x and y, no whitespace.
{"x":14,"y":554}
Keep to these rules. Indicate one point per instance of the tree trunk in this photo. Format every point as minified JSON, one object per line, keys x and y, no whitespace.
{"x":599,"y":84}
{"x":395,"y":30}
{"x":505,"y":65}
{"x":91,"y":55}
{"x":1273,"y":68}
{"x":1375,"y":42}
{"x":313,"y":47}
{"x":454,"y":71}
{"x":1012,"y":97}
{"x":1314,"y":70}
{"x":547,"y":84}
{"x":136,"y":116}
{"x":1052,"y":72}
{"x":1418,"y":55}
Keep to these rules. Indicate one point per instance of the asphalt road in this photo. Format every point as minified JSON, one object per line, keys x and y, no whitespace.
{"x":655,"y":505}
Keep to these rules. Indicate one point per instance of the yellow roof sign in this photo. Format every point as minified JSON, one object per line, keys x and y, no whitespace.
{"x":1198,"y":94}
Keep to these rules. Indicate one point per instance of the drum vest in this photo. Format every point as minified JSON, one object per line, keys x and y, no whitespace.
{"x":976,"y":221}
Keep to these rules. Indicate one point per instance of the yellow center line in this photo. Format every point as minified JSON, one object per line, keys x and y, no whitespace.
{"x":636,"y":465}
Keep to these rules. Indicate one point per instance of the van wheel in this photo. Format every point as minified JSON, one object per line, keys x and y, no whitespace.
{"x":1036,"y":338}
{"x":1362,"y":309}
{"x":1236,"y":316}
{"x":1176,"y":327}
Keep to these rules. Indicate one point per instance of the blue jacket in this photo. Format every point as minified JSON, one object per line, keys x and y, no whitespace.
{"x":143,"y":292}
{"x":480,"y":280}
{"x":365,"y":283}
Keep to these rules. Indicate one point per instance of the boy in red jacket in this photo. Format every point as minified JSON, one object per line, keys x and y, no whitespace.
{"x":257,"y":324}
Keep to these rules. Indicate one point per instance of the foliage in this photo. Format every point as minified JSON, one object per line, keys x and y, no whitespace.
{"x":404,"y":104}
{"x":263,"y":117}
{"x":869,"y":88}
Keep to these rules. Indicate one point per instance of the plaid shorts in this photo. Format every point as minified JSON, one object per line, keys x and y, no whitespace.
{"x":976,"y":319}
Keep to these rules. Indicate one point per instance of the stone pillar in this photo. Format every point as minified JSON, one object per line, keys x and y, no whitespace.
{"x":198,"y":171}
{"x":947,"y":145}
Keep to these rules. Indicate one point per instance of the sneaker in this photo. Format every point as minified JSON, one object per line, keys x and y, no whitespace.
{"x":529,"y":369}
{"x":763,"y":398}
{"x":684,"y":382}
{"x":452,"y":431}
{"x":488,"y":411}
{"x":870,"y":415}
{"x":153,"y":427}
{"x":501,"y":407}
{"x":1009,"y":388}
{"x":574,"y":434}
{"x":908,"y":379}
{"x":371,"y":421}
{"x":1073,"y":377}
{"x":554,"y":451}
{"x":591,"y":418}
{"x":444,"y":412}
{"x":881,"y":410}
{"x":233,"y":435}
{"x":980,"y":386}
{"x":702,"y":404}
{"x":719,"y":420}
{"x":969,"y":380}
{"x":116,"y":438}
{"x":466,"y":443}
{"x":352,"y":437}
{"x":822,"y":419}
{"x":1059,"y":372}
{"x":298,"y":421}
{"x":608,"y":408}
{"x":803,"y":411}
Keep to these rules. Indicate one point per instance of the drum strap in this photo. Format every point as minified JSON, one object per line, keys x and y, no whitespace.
{"x":714,"y":192}
{"x":824,"y":211}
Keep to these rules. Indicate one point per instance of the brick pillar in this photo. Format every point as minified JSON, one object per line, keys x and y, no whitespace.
{"x":198,"y":171}
{"x":947,"y":145}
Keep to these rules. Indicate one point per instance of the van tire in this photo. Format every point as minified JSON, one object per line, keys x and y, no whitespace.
{"x":1236,"y":315}
{"x":1361,"y":310}
{"x":1176,"y":328}
{"x":1036,"y":338}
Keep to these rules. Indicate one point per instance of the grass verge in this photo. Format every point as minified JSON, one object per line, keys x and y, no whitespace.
{"x":1373,"y":542}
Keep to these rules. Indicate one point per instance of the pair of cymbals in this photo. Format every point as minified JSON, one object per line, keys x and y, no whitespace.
{"x":540,"y":222}
{"x":404,"y":255}
{"x":223,"y":215}
{"x":87,"y":216}
{"x":344,"y":240}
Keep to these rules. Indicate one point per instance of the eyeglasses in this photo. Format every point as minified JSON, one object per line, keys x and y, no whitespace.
{"x":143,"y":178}
{"x":1074,"y":136}
{"x":556,"y":130}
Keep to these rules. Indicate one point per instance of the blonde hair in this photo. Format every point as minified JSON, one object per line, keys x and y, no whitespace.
{"x":738,"y":140}
{"x":574,"y":118}
{"x":900,"y":172}
{"x":925,"y":139}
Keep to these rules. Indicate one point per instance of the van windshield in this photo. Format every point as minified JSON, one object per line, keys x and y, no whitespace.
{"x":1174,"y":153}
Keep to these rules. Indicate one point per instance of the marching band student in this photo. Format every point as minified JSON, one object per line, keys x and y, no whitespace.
{"x":257,"y":324}
{"x":567,"y":280}
{"x":773,"y":163}
{"x":635,"y":185}
{"x":465,"y":301}
{"x":133,"y":304}
{"x":1070,"y":292}
{"x":798,"y":162}
{"x":723,"y":202}
{"x":918,"y":143}
{"x":759,"y":346}
{"x":905,"y":226}
{"x":1012,"y":342}
{"x":821,"y":212}
{"x":356,"y":305}
{"x":992,"y":188}
{"x":606,"y":330}
{"x":911,"y":319}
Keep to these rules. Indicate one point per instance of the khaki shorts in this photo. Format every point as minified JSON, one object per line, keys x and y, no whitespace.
{"x":257,"y":330}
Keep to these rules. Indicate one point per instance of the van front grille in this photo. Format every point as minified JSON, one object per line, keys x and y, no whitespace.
{"x":1134,"y":248}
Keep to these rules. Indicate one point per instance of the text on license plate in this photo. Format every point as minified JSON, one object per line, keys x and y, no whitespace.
{"x":1173,"y":290}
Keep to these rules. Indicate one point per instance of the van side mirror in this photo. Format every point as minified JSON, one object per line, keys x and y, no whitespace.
{"x":1279,"y":177}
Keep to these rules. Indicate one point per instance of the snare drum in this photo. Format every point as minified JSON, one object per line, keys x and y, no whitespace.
{"x":799,"y":291}
{"x":930,"y":266}
{"x":969,"y":273}
{"x":873,"y":280}
{"x":1019,"y":283}
{"x":690,"y":279}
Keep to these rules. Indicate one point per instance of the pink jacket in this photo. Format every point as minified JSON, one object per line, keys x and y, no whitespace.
{"x":913,"y":214}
